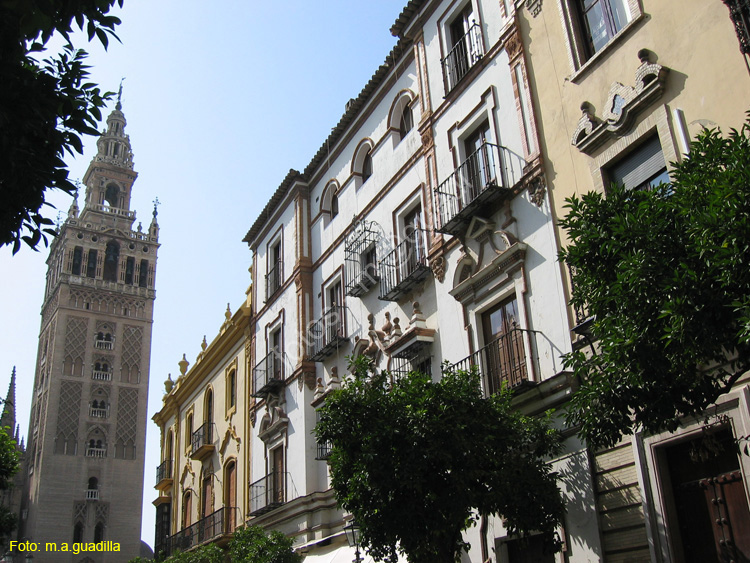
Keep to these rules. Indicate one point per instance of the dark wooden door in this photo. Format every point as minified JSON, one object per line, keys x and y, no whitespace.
{"x":709,"y":501}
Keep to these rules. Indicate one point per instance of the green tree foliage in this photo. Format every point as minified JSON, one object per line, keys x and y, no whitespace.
{"x":416,"y":462}
{"x":253,"y":545}
{"x":665,"y":275}
{"x":8,"y":468}
{"x":248,"y":545}
{"x":45,"y":107}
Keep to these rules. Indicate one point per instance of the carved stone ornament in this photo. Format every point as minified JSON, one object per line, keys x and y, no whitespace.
{"x":622,"y":105}
{"x":427,"y":139}
{"x":534,"y":6}
{"x":513,"y":45}
{"x":537,"y":189}
{"x":437,"y":265}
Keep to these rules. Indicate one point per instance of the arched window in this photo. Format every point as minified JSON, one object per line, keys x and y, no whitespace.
{"x":189,"y":431}
{"x":168,"y":447}
{"x":187,"y":509}
{"x":112,"y":195}
{"x":230,"y":494}
{"x":77,"y":261}
{"x":78,"y":533}
{"x":99,"y":532}
{"x":93,"y":483}
{"x":334,"y":206}
{"x":111,"y":261}
{"x":367,"y":166}
{"x":209,"y":407}
{"x":406,"y":122}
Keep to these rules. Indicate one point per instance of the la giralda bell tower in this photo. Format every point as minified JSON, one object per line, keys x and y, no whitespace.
{"x":87,"y":429}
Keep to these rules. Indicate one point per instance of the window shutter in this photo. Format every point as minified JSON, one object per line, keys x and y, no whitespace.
{"x":640,"y":165}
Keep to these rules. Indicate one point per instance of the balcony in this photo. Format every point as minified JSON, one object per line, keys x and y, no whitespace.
{"x":360,"y":258}
{"x":477,"y":182}
{"x":327,"y":334}
{"x":467,"y":51}
{"x":404,"y":268}
{"x":273,"y":278}
{"x":101,"y":375}
{"x":502,"y":362}
{"x":164,"y":475}
{"x":96,"y":452}
{"x":92,"y":494}
{"x":99,"y":413}
{"x":103,"y":344}
{"x":206,"y":529}
{"x":268,"y":493}
{"x":202,"y":442}
{"x":268,"y":375}
{"x":322,"y":451}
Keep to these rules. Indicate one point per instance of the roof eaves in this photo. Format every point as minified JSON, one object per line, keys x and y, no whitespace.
{"x":278,"y":196}
{"x":405,"y":17}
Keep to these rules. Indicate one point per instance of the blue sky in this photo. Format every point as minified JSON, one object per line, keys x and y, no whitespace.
{"x":222,"y":99}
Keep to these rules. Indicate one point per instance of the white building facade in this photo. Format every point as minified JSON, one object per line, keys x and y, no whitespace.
{"x":421,"y":232}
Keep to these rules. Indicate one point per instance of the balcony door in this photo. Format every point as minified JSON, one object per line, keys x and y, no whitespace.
{"x":334,"y":321}
{"x":414,"y":248}
{"x":504,"y":358}
{"x":479,"y":169}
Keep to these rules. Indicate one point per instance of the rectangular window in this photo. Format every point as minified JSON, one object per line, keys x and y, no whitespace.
{"x":275,"y":269}
{"x":642,"y":169}
{"x":599,"y":21}
{"x":504,"y":351}
{"x":77,"y":261}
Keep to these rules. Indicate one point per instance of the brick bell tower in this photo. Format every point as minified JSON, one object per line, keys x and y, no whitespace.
{"x":87,"y":428}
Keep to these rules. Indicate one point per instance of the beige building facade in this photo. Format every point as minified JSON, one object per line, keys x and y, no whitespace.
{"x":86,"y":439}
{"x":619,"y":87}
{"x":205,"y":454}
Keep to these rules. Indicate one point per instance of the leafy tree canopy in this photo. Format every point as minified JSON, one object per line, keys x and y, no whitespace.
{"x":45,"y":107}
{"x":253,"y":545}
{"x":664,"y":274}
{"x":416,"y":462}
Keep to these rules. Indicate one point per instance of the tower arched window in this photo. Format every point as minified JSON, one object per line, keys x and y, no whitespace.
{"x":93,"y":483}
{"x":111,"y":261}
{"x":78,"y":533}
{"x":99,"y":532}
{"x":77,"y":261}
{"x":112,"y":194}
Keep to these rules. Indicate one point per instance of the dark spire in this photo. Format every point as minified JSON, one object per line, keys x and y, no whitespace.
{"x":8,"y":418}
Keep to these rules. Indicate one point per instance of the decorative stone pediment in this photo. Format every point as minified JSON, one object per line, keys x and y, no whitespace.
{"x":622,"y":105}
{"x":274,"y":422}
{"x":416,"y":334}
{"x":494,"y":273}
{"x":230,"y":434}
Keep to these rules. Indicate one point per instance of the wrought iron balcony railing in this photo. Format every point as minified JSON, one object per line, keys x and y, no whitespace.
{"x":501,"y":362}
{"x":322,"y":450}
{"x":205,"y":529}
{"x":202,"y":441}
{"x":327,"y":334}
{"x":268,"y":493}
{"x":274,"y":277}
{"x":404,"y":267}
{"x":164,"y":472}
{"x":463,"y":56}
{"x":268,"y":374}
{"x":477,"y":182}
